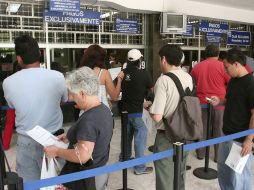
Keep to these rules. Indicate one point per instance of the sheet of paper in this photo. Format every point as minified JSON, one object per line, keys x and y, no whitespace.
{"x":147,"y":120}
{"x":44,"y":137}
{"x":234,"y":160}
{"x":114,"y":72}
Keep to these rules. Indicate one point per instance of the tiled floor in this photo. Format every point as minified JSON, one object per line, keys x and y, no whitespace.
{"x":147,"y":181}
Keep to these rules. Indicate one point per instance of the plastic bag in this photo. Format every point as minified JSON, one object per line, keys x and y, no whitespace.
{"x":50,"y":168}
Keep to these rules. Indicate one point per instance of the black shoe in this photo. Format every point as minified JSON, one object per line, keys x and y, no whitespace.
{"x":199,"y":158}
{"x":188,"y":167}
{"x":121,"y":159}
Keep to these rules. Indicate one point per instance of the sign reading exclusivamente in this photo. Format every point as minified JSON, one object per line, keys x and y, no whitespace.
{"x":205,"y":26}
{"x":238,"y":38}
{"x":64,"y":5}
{"x":127,"y":26}
{"x":81,"y":17}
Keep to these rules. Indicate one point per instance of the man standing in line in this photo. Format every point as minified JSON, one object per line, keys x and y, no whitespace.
{"x":165,"y":103}
{"x":134,"y":86}
{"x":35,"y":93}
{"x":238,"y":116}
{"x":211,"y":80}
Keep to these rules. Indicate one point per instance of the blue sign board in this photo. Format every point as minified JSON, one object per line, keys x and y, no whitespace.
{"x":127,"y":26}
{"x":64,"y":5}
{"x":213,"y":38}
{"x":189,"y":30}
{"x":205,"y":26}
{"x":82,"y":17}
{"x":238,"y":38}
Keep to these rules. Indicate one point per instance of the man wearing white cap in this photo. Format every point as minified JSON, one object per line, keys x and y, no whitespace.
{"x":134,"y":86}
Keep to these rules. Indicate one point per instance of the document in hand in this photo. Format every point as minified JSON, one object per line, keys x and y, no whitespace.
{"x":44,"y":137}
{"x":114,"y":72}
{"x":147,"y":120}
{"x":234,"y":160}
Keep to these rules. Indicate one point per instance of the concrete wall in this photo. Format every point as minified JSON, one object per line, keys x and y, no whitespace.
{"x":153,"y":46}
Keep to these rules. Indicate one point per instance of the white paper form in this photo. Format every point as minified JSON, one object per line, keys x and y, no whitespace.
{"x":45,"y":138}
{"x":114,"y":72}
{"x":234,"y":160}
{"x":147,"y":120}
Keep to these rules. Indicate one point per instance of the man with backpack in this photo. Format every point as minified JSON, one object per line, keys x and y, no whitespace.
{"x":164,"y":105}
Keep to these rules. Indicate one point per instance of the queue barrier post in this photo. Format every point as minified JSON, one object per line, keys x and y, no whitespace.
{"x":9,"y":179}
{"x":124,"y":146}
{"x":2,"y":163}
{"x":178,"y":159}
{"x":206,"y":172}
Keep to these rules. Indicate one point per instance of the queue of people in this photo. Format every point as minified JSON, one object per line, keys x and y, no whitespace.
{"x":36,"y":94}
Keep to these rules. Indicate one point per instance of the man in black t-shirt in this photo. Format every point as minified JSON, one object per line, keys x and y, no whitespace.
{"x":134,"y":88}
{"x":238,"y":116}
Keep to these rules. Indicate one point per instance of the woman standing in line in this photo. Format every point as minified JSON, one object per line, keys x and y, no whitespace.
{"x":94,"y":57}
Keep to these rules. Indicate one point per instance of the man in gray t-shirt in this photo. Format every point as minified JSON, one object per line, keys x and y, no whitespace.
{"x":35,"y":94}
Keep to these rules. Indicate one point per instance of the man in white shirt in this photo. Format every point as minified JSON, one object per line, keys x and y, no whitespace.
{"x":165,"y":102}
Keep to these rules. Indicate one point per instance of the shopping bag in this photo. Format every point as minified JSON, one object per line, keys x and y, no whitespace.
{"x":50,"y":168}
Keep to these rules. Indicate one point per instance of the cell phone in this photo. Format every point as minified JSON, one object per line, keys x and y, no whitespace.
{"x":59,"y":132}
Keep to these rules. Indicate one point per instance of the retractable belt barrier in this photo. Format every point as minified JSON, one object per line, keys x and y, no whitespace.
{"x":5,"y":108}
{"x":31,"y":185}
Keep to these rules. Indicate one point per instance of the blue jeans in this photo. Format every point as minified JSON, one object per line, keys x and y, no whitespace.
{"x":29,"y":158}
{"x":228,"y":179}
{"x":136,"y":128}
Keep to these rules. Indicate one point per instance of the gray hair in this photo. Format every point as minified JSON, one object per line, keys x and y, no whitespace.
{"x":84,"y":79}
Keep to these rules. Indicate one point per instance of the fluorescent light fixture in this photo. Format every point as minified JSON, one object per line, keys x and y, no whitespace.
{"x":105,"y":15}
{"x":13,"y":7}
{"x":176,"y":43}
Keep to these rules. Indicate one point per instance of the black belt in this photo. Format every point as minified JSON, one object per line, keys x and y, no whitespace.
{"x":161,"y":131}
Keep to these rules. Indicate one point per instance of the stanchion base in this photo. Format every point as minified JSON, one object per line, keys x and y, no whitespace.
{"x":202,"y":174}
{"x":125,"y":189}
{"x":150,"y":148}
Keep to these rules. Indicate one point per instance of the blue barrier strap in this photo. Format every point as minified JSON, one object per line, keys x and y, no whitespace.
{"x":31,"y":185}
{"x":5,"y":108}
{"x":134,"y":115}
{"x":218,"y":140}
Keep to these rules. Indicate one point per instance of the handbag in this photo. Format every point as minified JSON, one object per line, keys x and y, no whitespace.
{"x":50,"y":168}
{"x":83,"y":184}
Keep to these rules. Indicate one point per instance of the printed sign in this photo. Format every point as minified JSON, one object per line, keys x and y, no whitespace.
{"x":238,"y":38}
{"x":64,"y":5}
{"x":213,"y":38}
{"x":82,"y":17}
{"x":189,"y":30}
{"x":205,"y":26}
{"x":127,"y":26}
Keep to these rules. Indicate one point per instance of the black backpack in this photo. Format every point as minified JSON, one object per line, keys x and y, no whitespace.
{"x":186,"y":123}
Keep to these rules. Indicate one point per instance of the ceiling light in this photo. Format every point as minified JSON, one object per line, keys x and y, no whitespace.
{"x":108,"y":14}
{"x":13,"y":7}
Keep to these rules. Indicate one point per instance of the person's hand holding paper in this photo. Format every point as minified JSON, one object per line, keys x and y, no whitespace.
{"x":63,"y":138}
{"x":45,"y":138}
